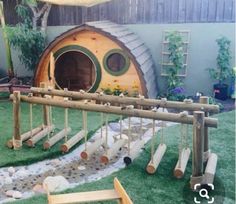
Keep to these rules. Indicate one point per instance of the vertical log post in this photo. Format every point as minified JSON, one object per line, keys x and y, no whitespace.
{"x":205,"y":100}
{"x":198,"y":146}
{"x":46,"y":120}
{"x":17,"y":143}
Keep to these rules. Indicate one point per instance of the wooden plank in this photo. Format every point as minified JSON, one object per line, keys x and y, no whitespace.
{"x":133,"y":11}
{"x":84,"y":14}
{"x":182,"y":11}
{"x":197,"y":10}
{"x":212,"y":11}
{"x":174,"y":11}
{"x":228,"y":8}
{"x":167,"y":11}
{"x":92,"y":196}
{"x":204,"y":10}
{"x":220,"y":10}
{"x":140,"y":10}
{"x":160,"y":11}
{"x":125,"y":199}
{"x":233,"y":12}
{"x":189,"y":11}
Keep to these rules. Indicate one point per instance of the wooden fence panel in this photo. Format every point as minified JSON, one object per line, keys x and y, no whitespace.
{"x":137,"y":11}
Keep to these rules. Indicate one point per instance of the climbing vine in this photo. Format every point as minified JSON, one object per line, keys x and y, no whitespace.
{"x":176,"y":56}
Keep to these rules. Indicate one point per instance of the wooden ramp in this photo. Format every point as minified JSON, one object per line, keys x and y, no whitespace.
{"x":118,"y":193}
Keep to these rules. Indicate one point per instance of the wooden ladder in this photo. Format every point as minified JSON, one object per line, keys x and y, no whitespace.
{"x":118,"y":193}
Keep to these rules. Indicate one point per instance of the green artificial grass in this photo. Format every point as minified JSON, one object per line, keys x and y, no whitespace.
{"x":162,"y":187}
{"x":28,"y":155}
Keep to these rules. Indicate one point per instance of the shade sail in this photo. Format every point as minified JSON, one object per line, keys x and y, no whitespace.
{"x":86,"y":3}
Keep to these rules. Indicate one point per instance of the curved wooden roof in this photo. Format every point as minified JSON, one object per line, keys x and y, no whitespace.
{"x":129,"y":41}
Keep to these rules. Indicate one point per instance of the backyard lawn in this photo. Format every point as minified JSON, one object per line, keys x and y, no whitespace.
{"x":161,"y":187}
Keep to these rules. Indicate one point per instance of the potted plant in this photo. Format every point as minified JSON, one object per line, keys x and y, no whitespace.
{"x":223,"y":70}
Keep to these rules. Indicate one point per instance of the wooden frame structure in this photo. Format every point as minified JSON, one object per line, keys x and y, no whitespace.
{"x":118,"y":193}
{"x":200,"y":123}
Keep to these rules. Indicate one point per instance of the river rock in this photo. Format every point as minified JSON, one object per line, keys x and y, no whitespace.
{"x":11,"y":170}
{"x":22,"y":173}
{"x":8,"y":180}
{"x":55,"y":183}
{"x":9,"y":193}
{"x":38,"y":188}
{"x":55,"y":162}
{"x":81,"y":168}
{"x":17,"y":195}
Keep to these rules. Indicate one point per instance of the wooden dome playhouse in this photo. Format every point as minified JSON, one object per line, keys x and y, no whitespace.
{"x":96,"y":55}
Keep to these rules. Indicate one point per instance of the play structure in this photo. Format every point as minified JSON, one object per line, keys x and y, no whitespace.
{"x":129,"y":107}
{"x":94,"y":55}
{"x":118,"y":193}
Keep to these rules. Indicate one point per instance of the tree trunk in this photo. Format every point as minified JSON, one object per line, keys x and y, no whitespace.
{"x":44,"y":20}
{"x":41,"y":14}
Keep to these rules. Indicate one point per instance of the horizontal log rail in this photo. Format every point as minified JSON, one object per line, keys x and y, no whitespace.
{"x":173,"y":117}
{"x":128,"y":100}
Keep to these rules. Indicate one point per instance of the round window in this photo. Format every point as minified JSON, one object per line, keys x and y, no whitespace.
{"x":116,"y":62}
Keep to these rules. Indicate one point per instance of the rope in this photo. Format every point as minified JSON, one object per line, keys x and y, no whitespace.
{"x":181,"y":144}
{"x":162,"y":129}
{"x":50,"y":108}
{"x":31,"y":119}
{"x":152,"y":143}
{"x":121,"y":118}
{"x":102,"y":116}
{"x":66,"y":121}
{"x":106,"y":139}
{"x":129,"y":135}
{"x":141,"y":126}
{"x":141,"y":97}
{"x":48,"y":116}
{"x":84,"y":113}
{"x":102,"y":120}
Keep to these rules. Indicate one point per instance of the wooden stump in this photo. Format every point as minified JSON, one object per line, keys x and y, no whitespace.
{"x":153,"y":164}
{"x":92,"y":148}
{"x":72,"y":141}
{"x":210,"y":169}
{"x":32,"y":141}
{"x":181,"y":165}
{"x":56,"y":138}
{"x":111,"y":152}
{"x":135,"y":150}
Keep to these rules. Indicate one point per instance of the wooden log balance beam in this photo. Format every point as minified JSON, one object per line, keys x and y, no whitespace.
{"x":112,"y":151}
{"x":32,"y":141}
{"x":210,"y":169}
{"x":127,"y":100}
{"x":135,"y":150}
{"x":182,"y":163}
{"x":157,"y":157}
{"x":86,"y":154}
{"x":26,"y":136}
{"x":72,"y":141}
{"x":56,"y":138}
{"x":172,"y":117}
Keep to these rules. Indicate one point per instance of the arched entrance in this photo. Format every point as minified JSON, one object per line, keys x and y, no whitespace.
{"x":75,"y":70}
